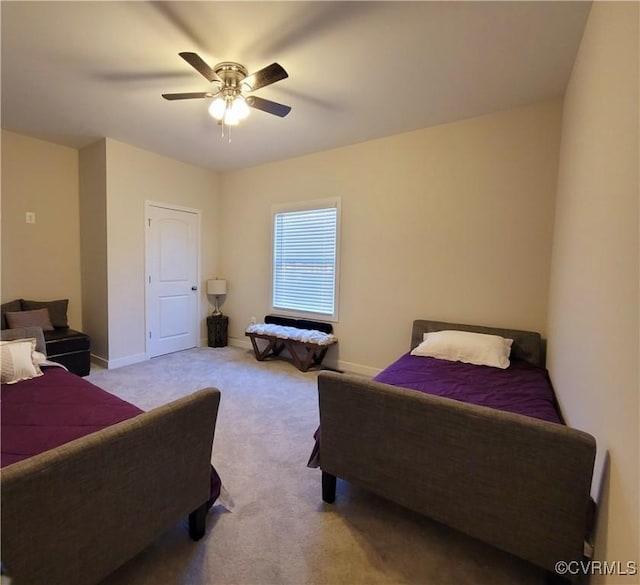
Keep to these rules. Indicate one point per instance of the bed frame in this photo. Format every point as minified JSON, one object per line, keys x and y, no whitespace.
{"x":515,"y":482}
{"x":74,"y":514}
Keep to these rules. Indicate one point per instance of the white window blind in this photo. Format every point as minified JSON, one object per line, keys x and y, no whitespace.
{"x":305,"y":246}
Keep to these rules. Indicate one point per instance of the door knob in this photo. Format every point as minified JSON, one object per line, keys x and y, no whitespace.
{"x":194,"y":288}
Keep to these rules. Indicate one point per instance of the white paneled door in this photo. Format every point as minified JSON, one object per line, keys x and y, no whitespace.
{"x":172,"y":254}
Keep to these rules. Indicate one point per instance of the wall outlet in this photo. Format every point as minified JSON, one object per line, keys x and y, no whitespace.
{"x":30,"y":217}
{"x":253,"y":320}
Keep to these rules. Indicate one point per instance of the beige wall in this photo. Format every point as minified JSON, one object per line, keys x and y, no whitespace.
{"x":134,"y":176}
{"x":40,"y":261}
{"x":593,"y":326}
{"x":450,"y":222}
{"x":93,"y":246}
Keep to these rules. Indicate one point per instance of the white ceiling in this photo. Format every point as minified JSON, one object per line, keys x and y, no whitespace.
{"x":73,"y":72}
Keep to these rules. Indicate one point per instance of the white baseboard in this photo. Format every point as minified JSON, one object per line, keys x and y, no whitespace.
{"x":341,"y":365}
{"x":242,"y":342}
{"x":120,"y":362}
{"x":99,"y":361}
{"x":351,"y":368}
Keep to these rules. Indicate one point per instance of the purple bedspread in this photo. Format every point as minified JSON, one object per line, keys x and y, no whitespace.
{"x":522,"y":388}
{"x":50,"y":410}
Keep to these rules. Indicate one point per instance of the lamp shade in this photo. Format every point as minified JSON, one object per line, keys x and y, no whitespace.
{"x":216,"y":286}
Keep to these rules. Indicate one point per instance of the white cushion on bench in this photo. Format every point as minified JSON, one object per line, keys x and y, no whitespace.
{"x":302,"y":335}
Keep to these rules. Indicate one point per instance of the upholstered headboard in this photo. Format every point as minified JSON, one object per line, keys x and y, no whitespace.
{"x":527,"y":345}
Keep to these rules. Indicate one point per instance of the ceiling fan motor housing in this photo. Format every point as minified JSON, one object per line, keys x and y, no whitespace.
{"x":231,"y":74}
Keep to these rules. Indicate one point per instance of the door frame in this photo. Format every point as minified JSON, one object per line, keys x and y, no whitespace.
{"x":147,"y":246}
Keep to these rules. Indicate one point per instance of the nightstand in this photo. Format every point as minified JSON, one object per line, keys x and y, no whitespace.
{"x":217,"y":326}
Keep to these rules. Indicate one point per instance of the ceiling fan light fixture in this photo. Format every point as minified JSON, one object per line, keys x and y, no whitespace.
{"x":240,"y":108}
{"x":229,"y":105}
{"x":218,"y":108}
{"x":230,"y":118}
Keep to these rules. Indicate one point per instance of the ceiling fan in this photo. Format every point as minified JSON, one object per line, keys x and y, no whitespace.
{"x":232,"y":81}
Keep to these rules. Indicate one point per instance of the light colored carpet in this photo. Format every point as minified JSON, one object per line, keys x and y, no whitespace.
{"x":280,"y":531}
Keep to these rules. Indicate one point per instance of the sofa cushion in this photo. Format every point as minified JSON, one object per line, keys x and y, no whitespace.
{"x":299,"y":323}
{"x":77,"y":362}
{"x":11,"y":306}
{"x":57,"y":310}
{"x":64,"y":340}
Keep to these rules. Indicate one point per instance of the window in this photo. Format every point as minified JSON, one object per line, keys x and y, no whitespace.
{"x":305,"y":259}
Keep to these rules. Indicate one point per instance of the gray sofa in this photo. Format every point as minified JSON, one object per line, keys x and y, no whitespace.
{"x":518,"y":483}
{"x":74,"y":514}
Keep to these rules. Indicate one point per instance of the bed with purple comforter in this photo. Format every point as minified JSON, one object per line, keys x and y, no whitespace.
{"x":48,"y":411}
{"x":53,"y":409}
{"x":523,"y":388}
{"x":89,"y":480}
{"x":481,"y":449}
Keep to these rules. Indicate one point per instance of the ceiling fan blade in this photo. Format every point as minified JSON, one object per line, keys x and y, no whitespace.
{"x":268,"y":106}
{"x":187,"y":96}
{"x":266,"y":76}
{"x":200,"y":66}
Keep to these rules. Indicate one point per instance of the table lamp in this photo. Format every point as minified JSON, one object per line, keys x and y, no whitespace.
{"x":217,"y":287}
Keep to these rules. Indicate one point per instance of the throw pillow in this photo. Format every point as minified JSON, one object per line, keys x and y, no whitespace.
{"x":17,"y":361}
{"x":464,"y":346}
{"x":10,"y":306}
{"x":36,"y":318}
{"x":57,"y":310}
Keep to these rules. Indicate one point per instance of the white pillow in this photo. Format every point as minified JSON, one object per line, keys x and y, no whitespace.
{"x":463,"y":346}
{"x":16,"y":360}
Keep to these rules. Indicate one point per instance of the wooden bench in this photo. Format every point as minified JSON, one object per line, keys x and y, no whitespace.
{"x":304,"y":340}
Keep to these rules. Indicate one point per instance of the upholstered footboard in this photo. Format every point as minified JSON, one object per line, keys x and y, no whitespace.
{"x":74,"y":514}
{"x":520,"y":484}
